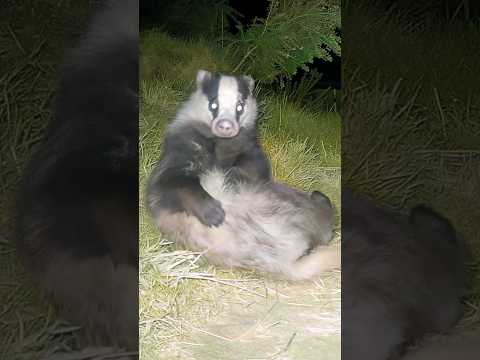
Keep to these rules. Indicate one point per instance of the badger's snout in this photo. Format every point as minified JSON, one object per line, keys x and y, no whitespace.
{"x":225,"y":128}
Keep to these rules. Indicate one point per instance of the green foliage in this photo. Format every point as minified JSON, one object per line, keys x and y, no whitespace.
{"x":272,"y":50}
{"x":294,"y":33}
{"x":178,"y":60}
{"x":307,"y":92}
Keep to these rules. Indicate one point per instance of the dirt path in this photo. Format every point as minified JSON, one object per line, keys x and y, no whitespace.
{"x":293,"y":321}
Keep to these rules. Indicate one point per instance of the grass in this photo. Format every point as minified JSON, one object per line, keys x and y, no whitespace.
{"x":191,"y":310}
{"x":159,"y":51}
{"x":437,"y":63}
{"x":411,"y":132}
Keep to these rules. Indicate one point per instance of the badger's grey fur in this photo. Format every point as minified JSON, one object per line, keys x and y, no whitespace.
{"x":402,"y":278}
{"x":269,"y":227}
{"x":214,"y":193}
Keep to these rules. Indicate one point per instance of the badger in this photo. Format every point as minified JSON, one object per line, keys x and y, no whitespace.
{"x":403,"y":276}
{"x":77,"y":226}
{"x":212,"y":190}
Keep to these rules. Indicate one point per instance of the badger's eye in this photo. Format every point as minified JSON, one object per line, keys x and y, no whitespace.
{"x":213,"y":105}
{"x":239,"y":107}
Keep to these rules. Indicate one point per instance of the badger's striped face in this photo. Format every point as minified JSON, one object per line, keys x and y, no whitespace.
{"x":223,"y":102}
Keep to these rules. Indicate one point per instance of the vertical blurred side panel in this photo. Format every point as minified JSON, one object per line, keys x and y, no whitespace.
{"x":76,"y":202}
{"x":410,"y":180}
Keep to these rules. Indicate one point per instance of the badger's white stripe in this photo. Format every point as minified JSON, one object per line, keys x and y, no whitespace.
{"x":228,"y":97}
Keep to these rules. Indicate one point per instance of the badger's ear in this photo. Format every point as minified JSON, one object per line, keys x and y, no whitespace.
{"x":250,"y":82}
{"x":202,"y":75}
{"x":429,"y":222}
{"x":321,"y":199}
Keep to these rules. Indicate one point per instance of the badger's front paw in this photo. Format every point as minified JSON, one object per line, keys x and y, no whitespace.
{"x":211,"y":213}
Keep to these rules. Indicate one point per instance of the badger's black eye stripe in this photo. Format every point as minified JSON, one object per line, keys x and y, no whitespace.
{"x":213,"y":107}
{"x":243,"y":87}
{"x":210,"y":87}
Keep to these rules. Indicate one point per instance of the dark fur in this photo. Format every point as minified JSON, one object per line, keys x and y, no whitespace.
{"x":401,"y":278}
{"x":79,"y":196}
{"x":175,"y":183}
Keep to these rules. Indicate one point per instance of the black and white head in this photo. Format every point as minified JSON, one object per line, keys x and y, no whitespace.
{"x":225,"y":103}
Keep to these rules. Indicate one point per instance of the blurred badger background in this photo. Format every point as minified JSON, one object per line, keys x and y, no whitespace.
{"x":77,"y":227}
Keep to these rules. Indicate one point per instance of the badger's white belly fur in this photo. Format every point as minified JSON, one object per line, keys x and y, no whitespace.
{"x":262,"y":230}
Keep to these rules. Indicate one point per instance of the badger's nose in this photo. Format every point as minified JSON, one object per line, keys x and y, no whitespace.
{"x":225,"y":125}
{"x":225,"y":128}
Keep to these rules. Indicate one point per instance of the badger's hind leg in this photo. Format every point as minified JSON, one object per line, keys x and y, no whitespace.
{"x":321,"y":258}
{"x":302,"y":230}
